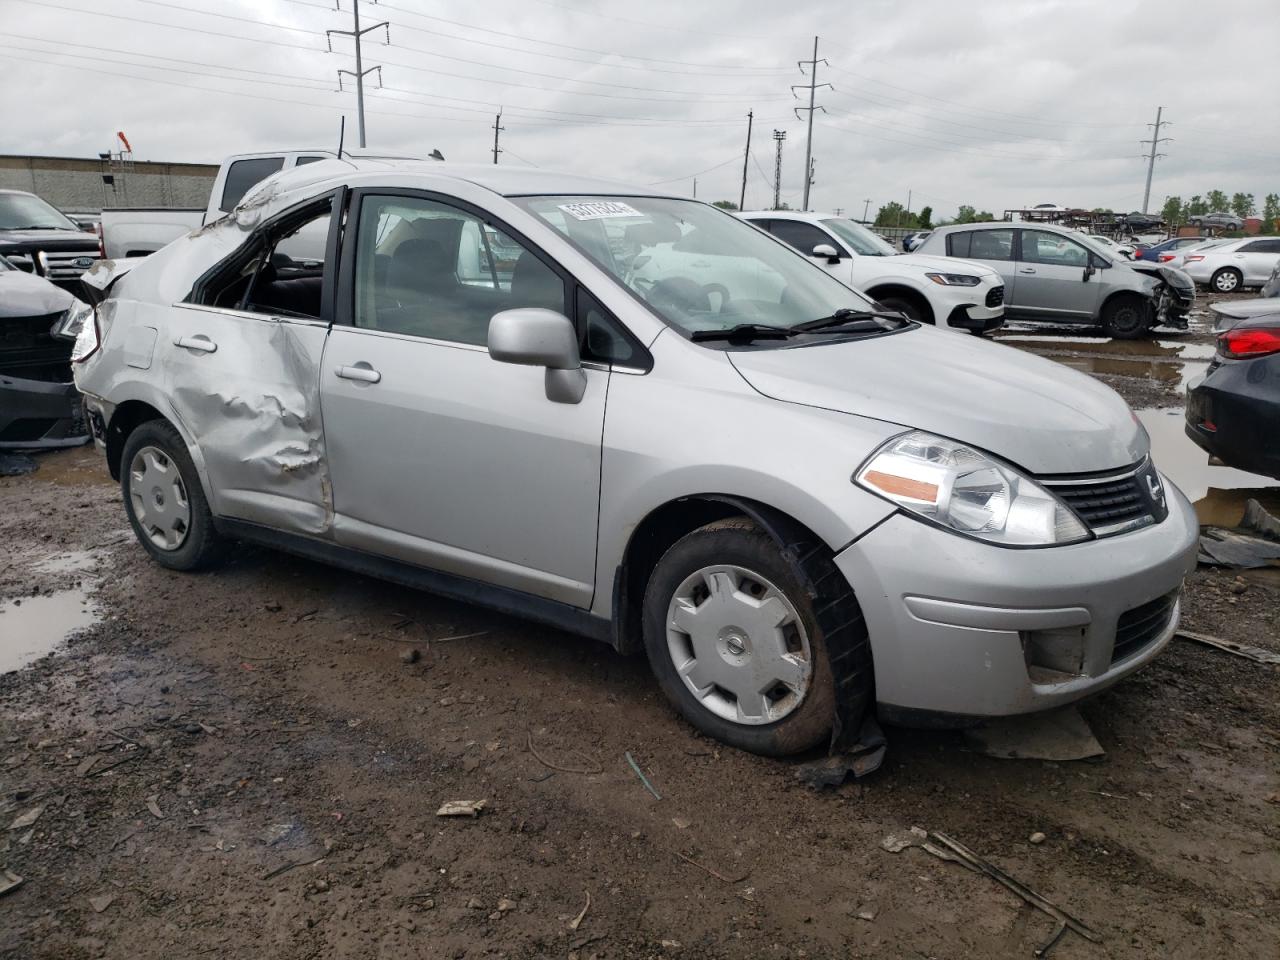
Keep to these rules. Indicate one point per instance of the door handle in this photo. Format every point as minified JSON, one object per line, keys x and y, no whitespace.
{"x":200,"y":343}
{"x":1026,"y":270}
{"x":359,"y":371}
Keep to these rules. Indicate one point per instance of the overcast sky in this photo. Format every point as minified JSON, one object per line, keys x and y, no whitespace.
{"x":998,"y":103}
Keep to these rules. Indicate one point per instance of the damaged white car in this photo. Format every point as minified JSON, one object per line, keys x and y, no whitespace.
{"x":800,"y":506}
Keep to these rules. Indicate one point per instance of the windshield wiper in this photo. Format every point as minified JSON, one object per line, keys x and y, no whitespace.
{"x":845,"y":317}
{"x":37,"y":226}
{"x":744,"y":333}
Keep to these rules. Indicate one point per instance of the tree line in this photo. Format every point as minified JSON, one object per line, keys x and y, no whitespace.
{"x":1176,"y":210}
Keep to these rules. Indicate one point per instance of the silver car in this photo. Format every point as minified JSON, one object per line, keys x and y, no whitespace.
{"x":797,"y":506}
{"x":1229,"y":265}
{"x":1055,"y":274}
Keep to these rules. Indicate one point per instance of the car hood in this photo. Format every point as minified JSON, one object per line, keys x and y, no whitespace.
{"x":930,"y":264}
{"x":59,"y":238}
{"x":1240,"y":309}
{"x":26,"y":295}
{"x":1030,"y":411}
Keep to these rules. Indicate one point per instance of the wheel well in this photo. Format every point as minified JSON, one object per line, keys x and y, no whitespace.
{"x":914,"y":297}
{"x":128,"y":417}
{"x":660,"y":530}
{"x":1123,"y":295}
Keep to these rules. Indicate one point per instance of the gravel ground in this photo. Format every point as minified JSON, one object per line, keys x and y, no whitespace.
{"x":249,"y":762}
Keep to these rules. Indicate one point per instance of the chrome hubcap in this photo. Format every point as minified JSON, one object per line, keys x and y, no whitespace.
{"x":739,"y":645}
{"x":1227,"y":281}
{"x":159,"y":498}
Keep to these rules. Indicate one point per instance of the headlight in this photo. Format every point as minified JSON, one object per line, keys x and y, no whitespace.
{"x":87,"y":340}
{"x":954,"y":279}
{"x":947,"y":483}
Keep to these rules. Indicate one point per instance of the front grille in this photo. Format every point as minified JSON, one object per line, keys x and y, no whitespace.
{"x":1108,"y":503}
{"x":63,"y":265}
{"x":995,"y":296}
{"x":1141,"y":626}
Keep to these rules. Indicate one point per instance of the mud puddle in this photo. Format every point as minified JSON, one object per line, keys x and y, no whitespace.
{"x":34,"y":626}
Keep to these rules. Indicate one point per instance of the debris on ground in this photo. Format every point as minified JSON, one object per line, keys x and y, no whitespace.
{"x":461,"y":808}
{"x":1220,"y":547}
{"x":1036,"y":838}
{"x":957,"y":852}
{"x":1258,"y":520}
{"x":412,"y":655}
{"x":154,"y":806}
{"x":1061,"y":734}
{"x":17,"y":465}
{"x":861,"y":759}
{"x":101,"y":902}
{"x":24,"y":820}
{"x":896,"y":844}
{"x":719,"y":876}
{"x":640,"y":773}
{"x":9,"y":881}
{"x":576,"y":922}
{"x":588,"y":766}
{"x":1257,"y":654}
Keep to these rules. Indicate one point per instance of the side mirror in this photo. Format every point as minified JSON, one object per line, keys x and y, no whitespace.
{"x":1089,"y":271}
{"x":826,"y":250}
{"x":541,"y":338}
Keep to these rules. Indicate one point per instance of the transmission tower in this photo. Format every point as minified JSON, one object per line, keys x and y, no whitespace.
{"x":1155,"y":141}
{"x":812,"y":87}
{"x":359,"y":72}
{"x":778,"y":137}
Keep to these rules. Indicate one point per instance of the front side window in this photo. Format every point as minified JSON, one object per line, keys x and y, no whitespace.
{"x":1052,"y":249}
{"x":1261,"y":246}
{"x":242,"y":175}
{"x":859,"y":239}
{"x":989,"y":245}
{"x":696,"y":267}
{"x":26,"y":211}
{"x":802,"y":236}
{"x":428,"y":269}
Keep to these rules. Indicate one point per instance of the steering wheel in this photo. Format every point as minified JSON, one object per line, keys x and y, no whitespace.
{"x":681,"y":293}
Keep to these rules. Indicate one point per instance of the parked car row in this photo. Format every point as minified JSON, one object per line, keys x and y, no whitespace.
{"x":1226,"y":266}
{"x":800,"y":505}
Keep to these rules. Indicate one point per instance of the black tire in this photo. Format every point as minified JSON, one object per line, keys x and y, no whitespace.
{"x":1126,"y":317}
{"x":740,"y":542}
{"x":1226,"y":280}
{"x":201,"y":546}
{"x":908,"y":308}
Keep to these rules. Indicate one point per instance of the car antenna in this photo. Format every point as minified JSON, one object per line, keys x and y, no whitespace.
{"x":342,"y":132}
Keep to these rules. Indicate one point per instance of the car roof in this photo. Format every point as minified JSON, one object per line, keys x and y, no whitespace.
{"x":504,"y":180}
{"x":809,"y":216}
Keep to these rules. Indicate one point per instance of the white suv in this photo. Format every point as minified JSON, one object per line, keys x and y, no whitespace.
{"x":954,"y":294}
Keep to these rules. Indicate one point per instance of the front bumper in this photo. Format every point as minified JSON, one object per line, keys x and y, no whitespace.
{"x":968,"y":629}
{"x":969,"y":316}
{"x":40,"y":415}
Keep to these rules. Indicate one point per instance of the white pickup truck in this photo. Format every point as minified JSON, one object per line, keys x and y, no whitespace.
{"x":138,"y":231}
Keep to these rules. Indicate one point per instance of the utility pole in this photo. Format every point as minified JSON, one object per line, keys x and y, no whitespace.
{"x":497,"y":129}
{"x":908,"y":206}
{"x":359,"y":73}
{"x":746,"y":155}
{"x":837,"y":211}
{"x":695,"y":188}
{"x":813,"y":88}
{"x":1156,"y":140}
{"x":778,"y":137}
{"x":813,"y":163}
{"x":866,"y":205}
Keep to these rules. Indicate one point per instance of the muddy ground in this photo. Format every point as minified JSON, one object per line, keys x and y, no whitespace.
{"x":249,"y":762}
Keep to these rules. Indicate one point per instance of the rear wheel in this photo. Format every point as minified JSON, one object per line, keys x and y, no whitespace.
{"x":1226,"y":280}
{"x":164,"y":500}
{"x":1126,"y":317}
{"x":732,"y":637}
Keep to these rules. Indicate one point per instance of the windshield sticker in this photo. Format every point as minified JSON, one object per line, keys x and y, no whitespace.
{"x":600,"y":210}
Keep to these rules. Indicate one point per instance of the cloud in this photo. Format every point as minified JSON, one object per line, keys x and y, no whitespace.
{"x":996,"y":104}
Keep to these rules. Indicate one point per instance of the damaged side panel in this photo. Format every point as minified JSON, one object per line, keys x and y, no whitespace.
{"x":245,"y":387}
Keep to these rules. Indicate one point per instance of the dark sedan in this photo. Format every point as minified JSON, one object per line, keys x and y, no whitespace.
{"x":1233,"y":411}
{"x":1171,"y":247}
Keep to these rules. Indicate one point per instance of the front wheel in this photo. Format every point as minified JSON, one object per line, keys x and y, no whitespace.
{"x":1126,"y":317}
{"x":733,"y":639}
{"x":164,"y":500}
{"x":1226,"y":280}
{"x":908,"y":308}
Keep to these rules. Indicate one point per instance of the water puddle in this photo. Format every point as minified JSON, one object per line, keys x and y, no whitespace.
{"x":77,"y":561}
{"x":1176,"y":374}
{"x":33,"y":626}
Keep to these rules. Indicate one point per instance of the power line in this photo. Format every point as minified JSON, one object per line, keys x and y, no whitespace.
{"x":698,"y":173}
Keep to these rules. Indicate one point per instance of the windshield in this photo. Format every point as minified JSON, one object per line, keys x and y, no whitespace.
{"x":698,"y":268}
{"x":23,"y":211}
{"x":859,"y":239}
